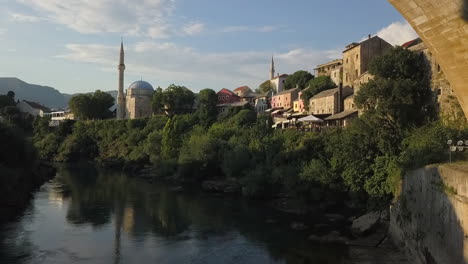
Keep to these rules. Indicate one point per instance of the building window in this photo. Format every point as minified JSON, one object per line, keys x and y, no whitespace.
{"x":347,"y":60}
{"x":357,"y":56}
{"x":357,"y":73}
{"x":438,"y":68}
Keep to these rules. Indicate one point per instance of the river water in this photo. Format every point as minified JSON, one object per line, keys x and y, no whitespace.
{"x":90,"y":215}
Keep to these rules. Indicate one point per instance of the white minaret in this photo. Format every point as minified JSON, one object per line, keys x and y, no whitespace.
{"x":121,"y":96}
{"x":272,"y":69}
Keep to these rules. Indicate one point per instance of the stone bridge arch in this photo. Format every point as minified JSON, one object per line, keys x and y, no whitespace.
{"x":443,"y":26}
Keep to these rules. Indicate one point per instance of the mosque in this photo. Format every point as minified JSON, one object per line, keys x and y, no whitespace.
{"x":136,"y":102}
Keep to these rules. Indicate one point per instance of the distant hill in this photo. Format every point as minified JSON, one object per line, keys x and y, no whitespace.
{"x":44,"y":95}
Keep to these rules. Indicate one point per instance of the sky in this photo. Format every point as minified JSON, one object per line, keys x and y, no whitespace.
{"x":73,"y":45}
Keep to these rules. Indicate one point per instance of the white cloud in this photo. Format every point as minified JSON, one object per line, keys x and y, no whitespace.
{"x":262,"y":29}
{"x":398,"y":33}
{"x":17,"y":17}
{"x":2,"y":31}
{"x":194,"y":28}
{"x":170,"y":63}
{"x":131,"y":17}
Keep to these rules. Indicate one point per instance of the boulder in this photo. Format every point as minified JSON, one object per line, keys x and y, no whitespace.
{"x":365,"y":224}
{"x":335,"y":218}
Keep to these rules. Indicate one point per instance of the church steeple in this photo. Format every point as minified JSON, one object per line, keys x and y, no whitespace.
{"x":272,"y":69}
{"x":121,"y":108}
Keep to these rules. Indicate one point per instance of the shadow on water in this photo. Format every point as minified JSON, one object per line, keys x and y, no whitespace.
{"x":210,"y":228}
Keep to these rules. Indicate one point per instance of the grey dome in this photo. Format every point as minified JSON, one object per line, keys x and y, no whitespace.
{"x":141,"y":85}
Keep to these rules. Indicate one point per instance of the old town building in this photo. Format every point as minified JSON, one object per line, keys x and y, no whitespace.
{"x":226,"y":96}
{"x":357,"y":56}
{"x":285,"y":99}
{"x":329,"y":102}
{"x":326,"y":69}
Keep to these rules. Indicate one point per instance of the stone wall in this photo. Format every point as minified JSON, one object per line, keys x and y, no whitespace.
{"x":430,"y":218}
{"x":442,"y":25}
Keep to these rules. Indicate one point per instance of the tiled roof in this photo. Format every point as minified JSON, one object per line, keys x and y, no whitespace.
{"x":289,"y":91}
{"x":341,"y":115}
{"x":37,"y":106}
{"x":330,"y":63}
{"x":227,"y":91}
{"x":242,"y":89}
{"x":325,"y":93}
{"x":411,"y":43}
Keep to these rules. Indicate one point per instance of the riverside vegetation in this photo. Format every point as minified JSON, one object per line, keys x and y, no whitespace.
{"x":20,"y":169}
{"x":363,"y":163}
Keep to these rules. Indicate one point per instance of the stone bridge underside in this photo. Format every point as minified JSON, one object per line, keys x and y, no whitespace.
{"x":443,"y":26}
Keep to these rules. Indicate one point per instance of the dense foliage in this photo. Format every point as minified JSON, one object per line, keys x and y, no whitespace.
{"x":173,"y":100}
{"x":299,"y":79}
{"x":92,"y":106}
{"x":362,"y":163}
{"x":266,"y":87}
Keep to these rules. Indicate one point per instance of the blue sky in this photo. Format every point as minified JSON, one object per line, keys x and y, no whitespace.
{"x":72,"y":45}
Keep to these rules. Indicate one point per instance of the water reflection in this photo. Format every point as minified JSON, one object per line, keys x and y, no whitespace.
{"x":91,"y":215}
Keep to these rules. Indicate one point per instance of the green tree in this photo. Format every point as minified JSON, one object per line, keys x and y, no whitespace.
{"x":207,"y":110}
{"x":400,"y":94}
{"x":298,"y":79}
{"x":92,"y":106}
{"x":174,"y":100}
{"x":266,"y":87}
{"x":316,"y":86}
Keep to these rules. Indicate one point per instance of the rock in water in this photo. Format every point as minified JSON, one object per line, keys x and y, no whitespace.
{"x":365,"y":224}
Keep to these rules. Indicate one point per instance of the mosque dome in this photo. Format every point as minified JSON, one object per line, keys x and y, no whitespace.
{"x":141,"y":85}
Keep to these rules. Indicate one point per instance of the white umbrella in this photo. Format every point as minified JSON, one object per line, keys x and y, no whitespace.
{"x":310,"y":118}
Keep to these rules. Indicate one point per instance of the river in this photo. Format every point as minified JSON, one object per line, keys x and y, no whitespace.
{"x":90,"y":215}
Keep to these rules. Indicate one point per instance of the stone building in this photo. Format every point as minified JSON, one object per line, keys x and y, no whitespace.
{"x":449,"y":106}
{"x":226,"y":96}
{"x":327,"y":68}
{"x":328,"y":102}
{"x":357,"y":56}
{"x":285,"y":99}
{"x":136,"y":101}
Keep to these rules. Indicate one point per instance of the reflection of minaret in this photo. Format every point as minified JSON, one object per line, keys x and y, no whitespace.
{"x":118,"y":218}
{"x":272,"y":69}
{"x":121,"y":96}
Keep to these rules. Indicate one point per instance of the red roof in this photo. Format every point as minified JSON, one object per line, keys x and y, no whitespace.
{"x":411,"y":43}
{"x":226,"y":91}
{"x":242,"y":89}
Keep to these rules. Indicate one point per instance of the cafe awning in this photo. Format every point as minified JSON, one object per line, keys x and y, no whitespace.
{"x":310,"y":118}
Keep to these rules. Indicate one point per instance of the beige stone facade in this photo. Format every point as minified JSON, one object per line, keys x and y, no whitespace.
{"x":138,"y":103}
{"x":349,"y":103}
{"x":327,"y":102}
{"x":442,"y":25}
{"x":327,"y":68}
{"x":357,"y":56}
